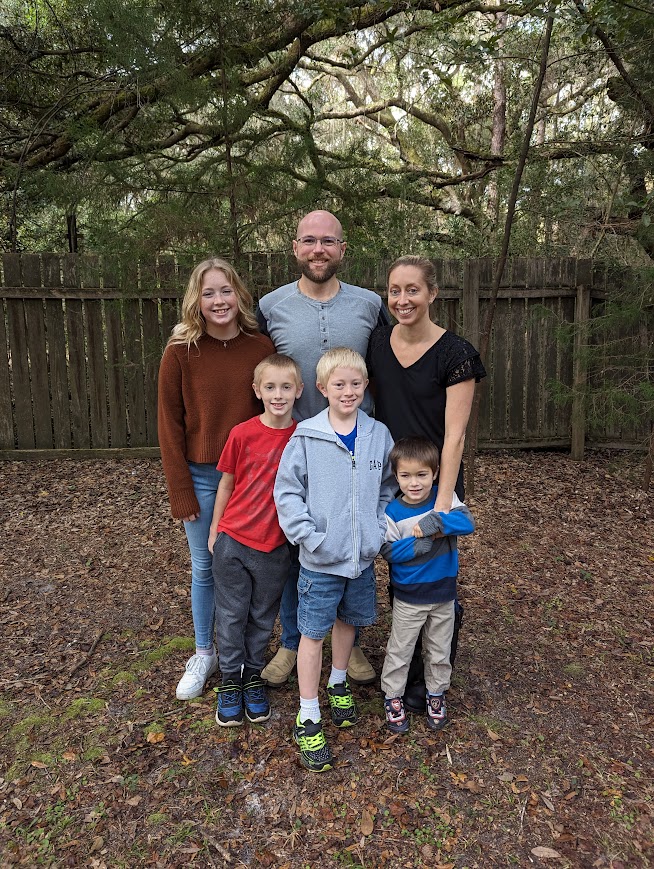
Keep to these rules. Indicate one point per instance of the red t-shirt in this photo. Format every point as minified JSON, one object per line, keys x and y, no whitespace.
{"x":252,"y":454}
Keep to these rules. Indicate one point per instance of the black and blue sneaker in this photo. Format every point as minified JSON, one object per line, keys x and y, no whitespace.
{"x":230,"y":703}
{"x":255,"y":698}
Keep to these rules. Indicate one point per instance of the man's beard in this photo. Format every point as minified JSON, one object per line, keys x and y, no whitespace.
{"x":319,"y":277}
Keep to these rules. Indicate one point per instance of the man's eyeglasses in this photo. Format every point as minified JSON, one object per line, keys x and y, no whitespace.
{"x":326,"y":241}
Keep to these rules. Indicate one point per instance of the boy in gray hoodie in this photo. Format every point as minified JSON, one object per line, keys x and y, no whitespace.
{"x":332,"y":488}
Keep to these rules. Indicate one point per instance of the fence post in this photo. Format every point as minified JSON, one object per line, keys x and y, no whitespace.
{"x":580,"y":361}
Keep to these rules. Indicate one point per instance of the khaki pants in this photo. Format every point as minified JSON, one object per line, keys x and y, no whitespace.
{"x":408,"y":619}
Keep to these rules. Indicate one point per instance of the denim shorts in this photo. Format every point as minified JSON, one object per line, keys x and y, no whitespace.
{"x":323,"y":597}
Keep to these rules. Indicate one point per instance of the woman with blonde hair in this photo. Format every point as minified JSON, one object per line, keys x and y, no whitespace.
{"x":205,"y":389}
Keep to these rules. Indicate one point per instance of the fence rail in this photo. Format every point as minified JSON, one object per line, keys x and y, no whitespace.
{"x":84,"y":338}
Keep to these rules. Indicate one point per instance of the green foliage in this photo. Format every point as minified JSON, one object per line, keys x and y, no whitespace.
{"x":617,"y":354}
{"x":188,"y":127}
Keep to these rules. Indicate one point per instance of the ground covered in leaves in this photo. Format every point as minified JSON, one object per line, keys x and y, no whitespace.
{"x":548,"y":761}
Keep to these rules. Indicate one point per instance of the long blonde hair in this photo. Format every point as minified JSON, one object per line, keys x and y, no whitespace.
{"x":192,"y":325}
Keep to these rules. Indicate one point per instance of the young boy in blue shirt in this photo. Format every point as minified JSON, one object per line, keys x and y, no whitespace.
{"x":421,"y":549}
{"x":332,"y":487}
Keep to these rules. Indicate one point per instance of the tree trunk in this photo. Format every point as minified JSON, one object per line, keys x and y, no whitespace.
{"x":471,"y":449}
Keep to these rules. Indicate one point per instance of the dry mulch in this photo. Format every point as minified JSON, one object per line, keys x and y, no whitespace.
{"x":548,"y":759}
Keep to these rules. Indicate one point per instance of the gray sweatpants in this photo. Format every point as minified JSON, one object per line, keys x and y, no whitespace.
{"x":248,"y":586}
{"x":408,"y":619}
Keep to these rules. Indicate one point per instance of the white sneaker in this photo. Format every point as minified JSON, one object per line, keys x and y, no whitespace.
{"x":198,"y":670}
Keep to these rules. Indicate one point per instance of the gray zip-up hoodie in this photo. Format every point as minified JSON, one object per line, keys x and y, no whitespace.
{"x":332,"y":503}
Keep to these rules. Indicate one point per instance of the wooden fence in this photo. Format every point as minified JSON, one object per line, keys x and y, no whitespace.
{"x":84,"y":337}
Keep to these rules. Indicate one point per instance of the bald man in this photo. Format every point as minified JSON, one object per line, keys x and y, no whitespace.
{"x":304,"y":319}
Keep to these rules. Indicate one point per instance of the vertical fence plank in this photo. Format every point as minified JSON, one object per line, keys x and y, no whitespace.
{"x":96,"y":370}
{"x":516,"y":391}
{"x":11,"y":269}
{"x":51,"y":271}
{"x":79,"y":404}
{"x":564,"y":408}
{"x":20,"y":374}
{"x":470,"y":302}
{"x":151,"y":358}
{"x":56,"y":338}
{"x":550,"y":373}
{"x":31,"y":270}
{"x":40,"y":389}
{"x":135,"y":391}
{"x":534,"y":363}
{"x":501,"y":363}
{"x":578,"y":422}
{"x":6,"y":416}
{"x":88,"y":270}
{"x":70,"y":270}
{"x":486,"y":385}
{"x":169,"y":318}
{"x":115,"y":373}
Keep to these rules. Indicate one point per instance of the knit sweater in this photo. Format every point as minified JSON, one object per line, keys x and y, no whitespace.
{"x":204,"y":392}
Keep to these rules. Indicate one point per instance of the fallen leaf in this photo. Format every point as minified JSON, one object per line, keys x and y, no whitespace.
{"x":153,"y":737}
{"x":39,"y":764}
{"x":367,"y":823}
{"x":548,"y":802}
{"x":96,"y":844}
{"x":494,"y":736}
{"x":545,"y":853}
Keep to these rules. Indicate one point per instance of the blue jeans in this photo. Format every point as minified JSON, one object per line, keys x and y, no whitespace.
{"x":288,"y":604}
{"x":290,"y":638}
{"x":205,"y":482}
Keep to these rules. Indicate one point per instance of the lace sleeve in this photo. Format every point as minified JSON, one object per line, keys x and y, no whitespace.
{"x":464,"y":363}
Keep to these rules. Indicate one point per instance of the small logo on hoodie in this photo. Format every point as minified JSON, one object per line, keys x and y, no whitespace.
{"x":375,"y":465}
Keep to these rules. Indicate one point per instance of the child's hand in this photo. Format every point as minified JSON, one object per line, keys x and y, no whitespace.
{"x":417,"y":531}
{"x":212,"y":540}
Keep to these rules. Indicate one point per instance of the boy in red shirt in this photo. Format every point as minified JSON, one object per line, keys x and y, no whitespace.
{"x":250,"y":552}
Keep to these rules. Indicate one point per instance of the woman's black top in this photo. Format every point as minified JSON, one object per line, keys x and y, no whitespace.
{"x":411,"y":401}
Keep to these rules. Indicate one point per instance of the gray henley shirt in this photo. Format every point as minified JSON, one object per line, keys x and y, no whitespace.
{"x":305,"y":328}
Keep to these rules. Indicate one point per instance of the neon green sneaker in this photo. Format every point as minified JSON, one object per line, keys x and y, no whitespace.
{"x":314,"y":751}
{"x":342,"y":705}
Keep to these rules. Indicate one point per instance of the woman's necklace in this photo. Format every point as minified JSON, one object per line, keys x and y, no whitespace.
{"x":226,"y":341}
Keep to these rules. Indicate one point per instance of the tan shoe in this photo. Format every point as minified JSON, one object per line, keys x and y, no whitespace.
{"x":277,"y":671}
{"x":359,"y":668}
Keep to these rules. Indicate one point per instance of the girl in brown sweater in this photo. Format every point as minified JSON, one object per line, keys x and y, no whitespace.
{"x":205,"y":388}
